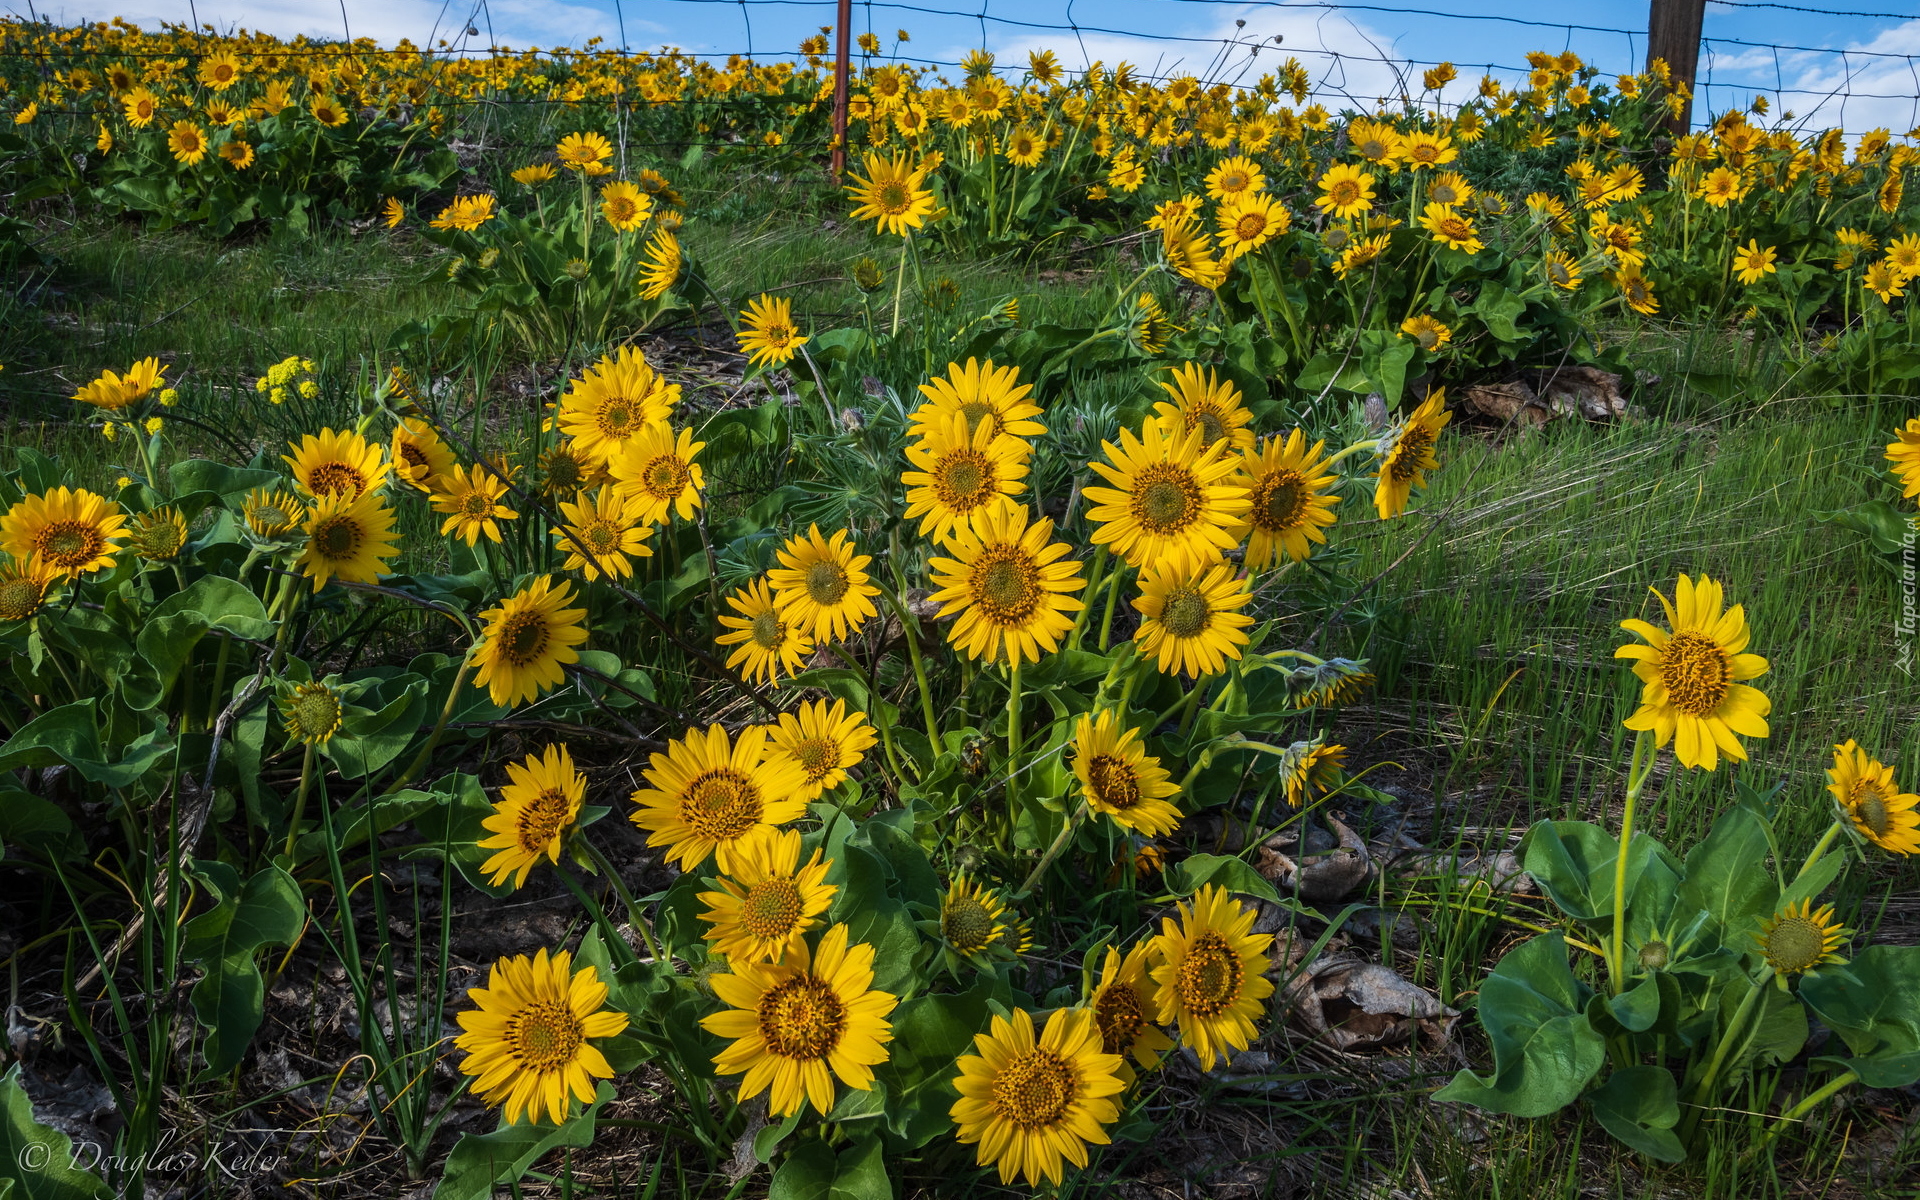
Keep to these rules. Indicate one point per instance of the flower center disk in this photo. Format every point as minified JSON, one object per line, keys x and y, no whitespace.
{"x":1696,"y":672}
{"x":1034,"y":1090}
{"x":722,"y":805}
{"x":802,"y":1018}
{"x":1209,"y":979}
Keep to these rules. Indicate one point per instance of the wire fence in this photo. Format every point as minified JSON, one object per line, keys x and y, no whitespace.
{"x":1353,"y":50}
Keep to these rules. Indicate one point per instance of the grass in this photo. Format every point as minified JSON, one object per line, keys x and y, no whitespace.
{"x":1493,"y":623}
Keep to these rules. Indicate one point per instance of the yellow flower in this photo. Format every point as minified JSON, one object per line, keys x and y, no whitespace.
{"x":115,"y":392}
{"x":655,"y":471}
{"x":769,"y":903}
{"x":1421,"y":150}
{"x":710,"y":797}
{"x":1033,"y":1103}
{"x":1345,"y":191}
{"x":1721,"y":187}
{"x":1123,"y":1007}
{"x":328,"y":111}
{"x":418,"y":455}
{"x":272,"y":514}
{"x":1375,"y":141}
{"x":535,"y":175}
{"x":1693,"y":692}
{"x":625,"y":206}
{"x":602,"y":535}
{"x":1885,"y":282}
{"x":1311,"y":767}
{"x":1408,"y":455}
{"x":1009,"y":587}
{"x":1234,"y":178}
{"x":533,"y":816}
{"x":1450,"y":228}
{"x":1903,"y":255}
{"x":770,"y":337}
{"x":1904,"y":453}
{"x":796,"y":1025}
{"x":823,"y":741}
{"x":393,"y":211}
{"x":1191,"y":617}
{"x":337,"y":462}
{"x":466,"y":213}
{"x":349,"y":537}
{"x":1250,"y":222}
{"x":237,"y":154}
{"x":1450,"y":187}
{"x":1173,"y":501}
{"x":527,"y":1040}
{"x":662,"y":267}
{"x":1561,"y":271}
{"x":1211,"y":975}
{"x":24,"y":587}
{"x":959,"y":473}
{"x":767,"y":642}
{"x":471,"y":500}
{"x":187,"y":142}
{"x":614,"y":402}
{"x":1120,"y":779}
{"x":891,"y":194}
{"x":1752,"y":262}
{"x":69,"y":531}
{"x":982,"y":392}
{"x":1025,"y":148}
{"x":527,"y":640}
{"x":141,"y":106}
{"x":1797,"y":939}
{"x":1872,"y":802}
{"x":26,"y":115}
{"x":158,"y":535}
{"x":821,"y":585}
{"x":1290,"y":488}
{"x":1423,"y":329}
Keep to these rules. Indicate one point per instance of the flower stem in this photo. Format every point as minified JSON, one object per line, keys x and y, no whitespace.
{"x":1113,"y":598}
{"x":1053,"y":851}
{"x":1704,"y":1089}
{"x":300,"y":802}
{"x":1370,"y":444}
{"x":634,"y":915}
{"x":1096,"y":575}
{"x":900,"y":282}
{"x":1013,"y":714}
{"x":1819,"y":848}
{"x":419,"y":762}
{"x":1813,"y":1100}
{"x":1637,"y":772}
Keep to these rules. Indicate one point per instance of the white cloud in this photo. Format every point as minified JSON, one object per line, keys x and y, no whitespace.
{"x":1856,"y":87}
{"x":1351,"y":63}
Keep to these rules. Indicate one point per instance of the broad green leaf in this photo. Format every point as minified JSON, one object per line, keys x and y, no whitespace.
{"x":1638,"y":1007}
{"x":1640,"y":1105}
{"x":1575,"y":862}
{"x":230,"y":997}
{"x":36,"y":1161}
{"x":1727,"y":877}
{"x":480,"y":1162}
{"x":1544,"y":1048}
{"x":1871,"y":1003}
{"x":452,"y":827}
{"x":67,"y":735}
{"x":1196,"y":871}
{"x":231,"y":484}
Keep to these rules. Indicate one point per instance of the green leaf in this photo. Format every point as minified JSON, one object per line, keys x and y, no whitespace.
{"x":814,"y":1172}
{"x":67,"y":735}
{"x":1500,"y":310}
{"x":1544,"y":1048}
{"x":1575,"y":862}
{"x":230,"y":997}
{"x":929,"y":1033}
{"x":1638,"y":1007}
{"x":480,"y":1162}
{"x":1816,"y":880}
{"x":174,"y":628}
{"x":1727,"y":876}
{"x":26,"y":820}
{"x":452,"y":828}
{"x":768,"y":1140}
{"x":1870,"y":1003}
{"x":231,"y":484}
{"x":1196,"y":871}
{"x":37,"y":1161}
{"x":1887,"y":527}
{"x":1640,"y":1105}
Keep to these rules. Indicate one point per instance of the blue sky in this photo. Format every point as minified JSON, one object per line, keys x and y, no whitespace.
{"x":1853,"y":71}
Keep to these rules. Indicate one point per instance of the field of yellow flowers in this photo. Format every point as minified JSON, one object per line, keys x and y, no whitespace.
{"x":1154,"y":638}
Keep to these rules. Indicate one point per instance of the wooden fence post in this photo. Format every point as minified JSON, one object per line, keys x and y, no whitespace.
{"x":841,"y":35}
{"x":1673,"y":34}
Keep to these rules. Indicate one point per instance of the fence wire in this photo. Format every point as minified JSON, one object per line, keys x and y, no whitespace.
{"x":1870,"y":77}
